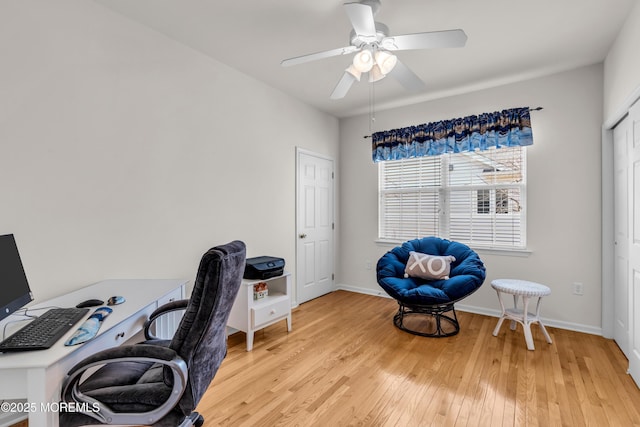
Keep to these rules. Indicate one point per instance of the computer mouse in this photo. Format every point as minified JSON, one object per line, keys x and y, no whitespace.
{"x":115,"y":300}
{"x":90,"y":303}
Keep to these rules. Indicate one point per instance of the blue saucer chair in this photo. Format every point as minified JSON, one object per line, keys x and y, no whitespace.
{"x":433,"y":297}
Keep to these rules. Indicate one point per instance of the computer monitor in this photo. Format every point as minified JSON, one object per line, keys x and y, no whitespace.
{"x":14,"y":288}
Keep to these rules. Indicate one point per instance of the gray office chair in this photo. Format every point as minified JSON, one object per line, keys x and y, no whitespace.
{"x":160,"y":383}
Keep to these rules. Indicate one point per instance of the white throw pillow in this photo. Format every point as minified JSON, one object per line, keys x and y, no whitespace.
{"x":429,"y":267}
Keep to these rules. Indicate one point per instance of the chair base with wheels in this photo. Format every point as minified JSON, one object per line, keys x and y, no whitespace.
{"x":426,"y":305}
{"x":195,"y":420}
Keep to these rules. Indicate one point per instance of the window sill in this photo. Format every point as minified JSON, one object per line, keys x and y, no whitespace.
{"x":479,"y":249}
{"x":504,"y":251}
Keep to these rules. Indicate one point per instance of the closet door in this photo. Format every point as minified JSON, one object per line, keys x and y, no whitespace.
{"x":634,"y":244}
{"x":621,"y":143}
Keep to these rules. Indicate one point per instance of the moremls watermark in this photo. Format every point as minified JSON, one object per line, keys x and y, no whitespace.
{"x":29,"y":407}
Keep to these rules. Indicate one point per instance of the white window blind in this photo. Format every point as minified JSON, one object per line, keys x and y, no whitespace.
{"x":476,"y":198}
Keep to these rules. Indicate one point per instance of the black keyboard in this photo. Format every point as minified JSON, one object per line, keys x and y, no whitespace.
{"x":44,"y":330}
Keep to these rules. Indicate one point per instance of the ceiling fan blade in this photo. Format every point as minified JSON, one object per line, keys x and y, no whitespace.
{"x":407,"y":78}
{"x":430,"y":40}
{"x":361,"y":17}
{"x":318,"y":55}
{"x":343,"y":86}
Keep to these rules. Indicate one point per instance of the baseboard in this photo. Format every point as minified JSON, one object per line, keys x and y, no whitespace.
{"x":380,"y":293}
{"x":560,"y":324}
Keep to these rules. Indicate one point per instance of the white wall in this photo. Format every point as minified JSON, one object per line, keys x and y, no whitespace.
{"x":563,"y":194}
{"x":621,"y":90}
{"x":127,"y":155}
{"x":622,"y":66}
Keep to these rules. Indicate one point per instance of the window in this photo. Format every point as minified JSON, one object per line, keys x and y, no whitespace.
{"x":484,"y":201}
{"x":477,"y":198}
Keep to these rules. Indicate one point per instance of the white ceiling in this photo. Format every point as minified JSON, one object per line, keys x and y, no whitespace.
{"x":508,"y":40}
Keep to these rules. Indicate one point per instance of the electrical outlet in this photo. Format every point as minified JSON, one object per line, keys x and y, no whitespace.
{"x":367,"y":264}
{"x":578,"y":288}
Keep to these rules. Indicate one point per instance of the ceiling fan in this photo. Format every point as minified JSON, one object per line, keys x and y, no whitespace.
{"x":374,"y":47}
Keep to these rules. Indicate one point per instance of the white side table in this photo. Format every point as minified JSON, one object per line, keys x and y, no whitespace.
{"x":526,"y":290}
{"x":249,"y":315}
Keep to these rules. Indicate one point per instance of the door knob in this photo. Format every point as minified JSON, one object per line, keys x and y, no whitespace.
{"x":302,"y":235}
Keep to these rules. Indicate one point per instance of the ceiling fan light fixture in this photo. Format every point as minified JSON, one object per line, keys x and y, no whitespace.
{"x":376,"y":74}
{"x":363,"y":60}
{"x":371,"y":45}
{"x":386,"y":61}
{"x":354,"y":72}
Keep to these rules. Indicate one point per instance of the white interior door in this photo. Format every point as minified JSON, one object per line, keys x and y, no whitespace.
{"x":314,"y":225}
{"x":621,"y":143}
{"x":634,"y":244}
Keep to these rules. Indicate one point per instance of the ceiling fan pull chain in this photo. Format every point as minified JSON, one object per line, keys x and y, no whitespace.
{"x":372,"y":108}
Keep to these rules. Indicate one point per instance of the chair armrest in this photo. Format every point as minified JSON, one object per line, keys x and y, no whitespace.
{"x":126,"y":351}
{"x":130,"y":353}
{"x":161,"y":311}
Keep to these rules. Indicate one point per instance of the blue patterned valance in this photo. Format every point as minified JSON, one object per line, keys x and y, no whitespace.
{"x":506,"y":128}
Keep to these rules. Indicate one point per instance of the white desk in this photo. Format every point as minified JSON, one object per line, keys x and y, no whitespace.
{"x":37,"y":375}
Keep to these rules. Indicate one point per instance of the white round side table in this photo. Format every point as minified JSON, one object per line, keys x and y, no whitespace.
{"x":526,"y":290}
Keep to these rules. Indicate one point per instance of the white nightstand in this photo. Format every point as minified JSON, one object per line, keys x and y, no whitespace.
{"x":249,"y":315}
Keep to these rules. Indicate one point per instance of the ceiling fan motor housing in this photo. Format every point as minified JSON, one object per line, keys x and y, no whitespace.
{"x":382,"y":31}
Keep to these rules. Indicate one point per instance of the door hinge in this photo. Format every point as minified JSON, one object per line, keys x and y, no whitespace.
{"x":332,"y":176}
{"x":333,"y":225}
{"x":333,"y":277}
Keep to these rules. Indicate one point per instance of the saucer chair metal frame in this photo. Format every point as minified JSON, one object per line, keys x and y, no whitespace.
{"x":436,"y":311}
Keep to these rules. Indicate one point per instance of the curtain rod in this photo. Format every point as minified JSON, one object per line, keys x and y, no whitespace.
{"x":530,"y":109}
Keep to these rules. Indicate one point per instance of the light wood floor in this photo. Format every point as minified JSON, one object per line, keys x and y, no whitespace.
{"x":345,"y":363}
